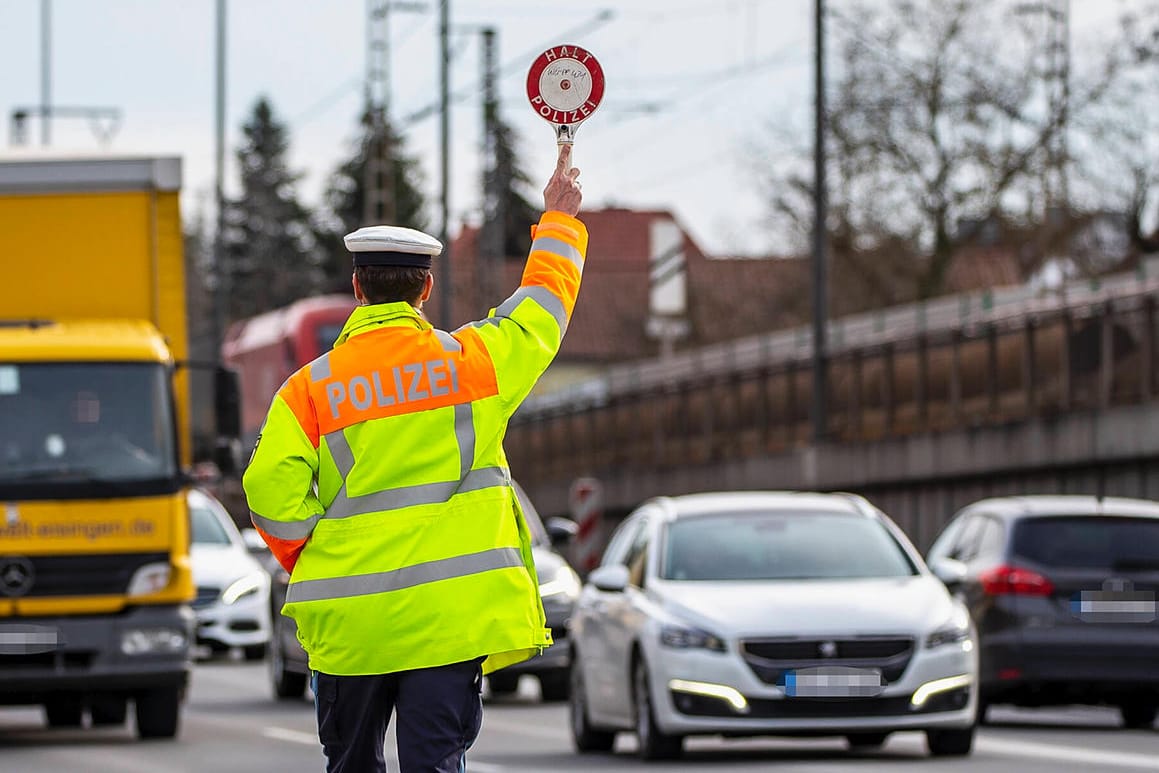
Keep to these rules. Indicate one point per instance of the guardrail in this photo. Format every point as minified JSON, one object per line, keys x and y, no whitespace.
{"x":959,"y":362}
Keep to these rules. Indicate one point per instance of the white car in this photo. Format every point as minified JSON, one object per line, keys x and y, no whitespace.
{"x":233,"y":588}
{"x":767,"y":613}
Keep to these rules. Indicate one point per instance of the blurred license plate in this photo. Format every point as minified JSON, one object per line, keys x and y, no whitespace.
{"x":27,"y":639}
{"x":832,"y":682}
{"x":1103,"y":606}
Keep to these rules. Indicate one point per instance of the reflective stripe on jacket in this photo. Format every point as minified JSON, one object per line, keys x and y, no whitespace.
{"x":380,"y":482}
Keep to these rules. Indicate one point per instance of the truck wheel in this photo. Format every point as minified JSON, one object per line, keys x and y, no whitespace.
{"x":64,"y":712}
{"x":109,"y":711}
{"x":158,"y":712}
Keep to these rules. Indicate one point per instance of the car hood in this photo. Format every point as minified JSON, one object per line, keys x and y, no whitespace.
{"x":219,"y":565}
{"x":909,"y":605}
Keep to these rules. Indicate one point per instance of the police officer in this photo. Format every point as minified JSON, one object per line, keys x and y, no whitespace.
{"x":380,"y":483}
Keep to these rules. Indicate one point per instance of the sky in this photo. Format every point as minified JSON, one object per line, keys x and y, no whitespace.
{"x":695,"y":91}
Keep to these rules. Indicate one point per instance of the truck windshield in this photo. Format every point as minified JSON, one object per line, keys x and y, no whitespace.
{"x":83,"y":425}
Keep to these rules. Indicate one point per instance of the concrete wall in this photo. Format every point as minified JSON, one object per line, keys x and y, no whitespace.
{"x":922,"y":480}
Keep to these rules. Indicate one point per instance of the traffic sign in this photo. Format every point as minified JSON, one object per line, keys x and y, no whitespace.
{"x":586,"y":500}
{"x":565,"y":85}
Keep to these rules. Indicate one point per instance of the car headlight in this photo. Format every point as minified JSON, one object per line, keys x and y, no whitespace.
{"x":239,"y":589}
{"x":564,"y":582}
{"x":955,"y":631}
{"x":685,"y":637}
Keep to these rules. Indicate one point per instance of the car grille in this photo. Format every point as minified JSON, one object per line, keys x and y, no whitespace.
{"x":770,"y":658}
{"x":105,"y":574}
{"x":205,"y":596}
{"x":58,"y":661}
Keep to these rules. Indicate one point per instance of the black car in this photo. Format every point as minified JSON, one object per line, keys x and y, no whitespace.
{"x":1062,"y":590}
{"x":559,"y":587}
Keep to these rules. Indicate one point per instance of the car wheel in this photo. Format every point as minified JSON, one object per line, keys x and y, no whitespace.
{"x":866,"y":740}
{"x":158,"y":712}
{"x":255,"y":652}
{"x":950,"y":743}
{"x":503,"y":684}
{"x":584,"y":737}
{"x":1139,"y":715}
{"x":64,"y":712}
{"x":109,"y":711}
{"x":287,"y":684}
{"x":983,"y":712}
{"x":553,"y":685}
{"x":654,"y":744}
{"x":217,"y":649}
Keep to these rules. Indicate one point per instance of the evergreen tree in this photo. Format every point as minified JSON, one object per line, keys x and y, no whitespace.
{"x":345,"y":197}
{"x":270,"y":245}
{"x":506,"y":208}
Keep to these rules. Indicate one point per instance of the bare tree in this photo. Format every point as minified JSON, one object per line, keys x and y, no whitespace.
{"x":943,"y":114}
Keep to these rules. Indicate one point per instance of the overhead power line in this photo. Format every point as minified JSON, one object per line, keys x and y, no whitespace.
{"x":600,"y":19}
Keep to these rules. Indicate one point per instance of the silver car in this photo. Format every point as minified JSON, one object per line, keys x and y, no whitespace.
{"x":765,"y":613}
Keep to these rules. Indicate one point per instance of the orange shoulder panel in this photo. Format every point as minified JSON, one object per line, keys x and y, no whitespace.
{"x":296,"y":394}
{"x":395,"y":370}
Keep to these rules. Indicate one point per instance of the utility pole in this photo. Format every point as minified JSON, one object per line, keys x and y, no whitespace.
{"x":1058,"y":87}
{"x":221,"y":272}
{"x":104,"y":120}
{"x":820,"y":239}
{"x":378,"y":203}
{"x":492,"y":236}
{"x":445,"y":147}
{"x":45,"y":71}
{"x":380,"y":179}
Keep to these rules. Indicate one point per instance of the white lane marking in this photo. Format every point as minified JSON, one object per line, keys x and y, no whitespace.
{"x":293,"y":736}
{"x":524,"y":728}
{"x":309,"y":739}
{"x":1067,"y":753}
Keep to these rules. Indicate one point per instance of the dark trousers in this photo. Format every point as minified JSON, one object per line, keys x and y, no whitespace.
{"x":439,"y":712}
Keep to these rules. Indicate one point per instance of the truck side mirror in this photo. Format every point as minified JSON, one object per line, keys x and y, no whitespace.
{"x":227,"y":402}
{"x":227,"y":456}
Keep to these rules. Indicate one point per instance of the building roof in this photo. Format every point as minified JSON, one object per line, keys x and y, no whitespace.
{"x":725,"y":297}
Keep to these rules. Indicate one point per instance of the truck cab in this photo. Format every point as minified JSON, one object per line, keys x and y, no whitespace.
{"x":95,"y":572}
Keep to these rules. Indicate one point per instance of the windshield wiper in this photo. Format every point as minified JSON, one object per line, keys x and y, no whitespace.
{"x":66,"y":475}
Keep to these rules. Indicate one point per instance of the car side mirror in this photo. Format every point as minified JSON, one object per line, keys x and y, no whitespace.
{"x":950,"y":571}
{"x":561,"y":531}
{"x":254,"y":542}
{"x":612,"y":579}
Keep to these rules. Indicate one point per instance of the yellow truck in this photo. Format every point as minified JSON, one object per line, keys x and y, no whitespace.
{"x":95,"y":442}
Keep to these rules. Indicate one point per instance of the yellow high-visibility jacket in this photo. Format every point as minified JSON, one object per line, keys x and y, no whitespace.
{"x":380,"y":483}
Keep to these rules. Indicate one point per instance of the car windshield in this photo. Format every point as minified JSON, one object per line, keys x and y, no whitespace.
{"x":781,"y":545}
{"x":1094,"y":542}
{"x":207,"y":530}
{"x":85,"y":422}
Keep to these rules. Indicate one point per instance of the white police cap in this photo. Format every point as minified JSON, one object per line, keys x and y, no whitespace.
{"x":391,"y":245}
